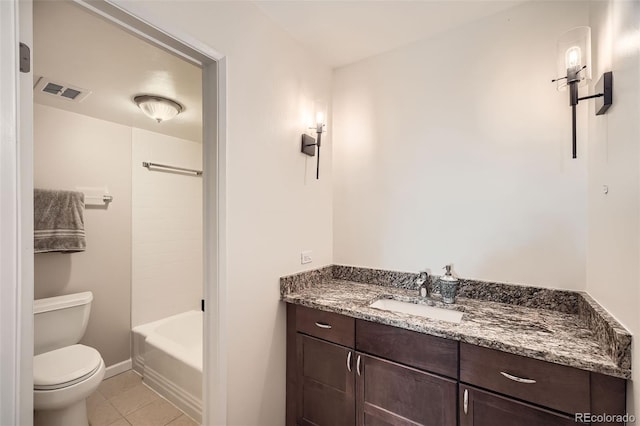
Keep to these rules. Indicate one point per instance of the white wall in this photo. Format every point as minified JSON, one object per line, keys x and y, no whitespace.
{"x":614,"y":160}
{"x":275,"y":208}
{"x":458,"y":149}
{"x":139,"y":275}
{"x":72,"y":150}
{"x":166,"y":275}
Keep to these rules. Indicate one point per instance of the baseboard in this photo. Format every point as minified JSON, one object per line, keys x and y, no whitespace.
{"x":182,"y":399}
{"x":118,"y":368}
{"x":138,"y":364}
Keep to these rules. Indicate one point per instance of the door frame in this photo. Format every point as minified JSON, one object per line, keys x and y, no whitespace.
{"x":16,"y":248}
{"x":16,"y":184}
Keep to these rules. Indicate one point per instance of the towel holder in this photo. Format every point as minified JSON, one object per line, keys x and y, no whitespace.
{"x":97,"y":200}
{"x":148,"y":165}
{"x":96,"y":196}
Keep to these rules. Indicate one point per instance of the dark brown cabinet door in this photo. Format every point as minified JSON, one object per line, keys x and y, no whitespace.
{"x":326,"y":386}
{"x":487,"y":409}
{"x":392,"y":394}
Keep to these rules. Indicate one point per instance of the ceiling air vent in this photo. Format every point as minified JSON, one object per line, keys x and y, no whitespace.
{"x":61,"y":90}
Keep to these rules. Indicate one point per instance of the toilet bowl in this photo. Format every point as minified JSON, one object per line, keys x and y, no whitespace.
{"x":64,"y":373}
{"x":62,"y":380}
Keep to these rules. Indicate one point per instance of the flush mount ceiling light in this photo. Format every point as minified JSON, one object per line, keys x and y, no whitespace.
{"x":574,"y":58}
{"x":157,"y":107}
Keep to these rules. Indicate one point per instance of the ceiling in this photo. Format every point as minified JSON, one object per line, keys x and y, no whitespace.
{"x":343,"y":32}
{"x":75,"y":47}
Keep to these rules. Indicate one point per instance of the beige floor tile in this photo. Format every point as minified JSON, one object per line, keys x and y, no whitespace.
{"x":158,"y":413}
{"x":102,"y":413}
{"x":121,"y":422}
{"x":93,"y":400}
{"x":118,"y":384}
{"x":183,"y":420}
{"x":133,"y":399}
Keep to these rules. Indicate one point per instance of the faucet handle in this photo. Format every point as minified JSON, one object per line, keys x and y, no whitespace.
{"x":423,"y":282}
{"x":422,"y":278}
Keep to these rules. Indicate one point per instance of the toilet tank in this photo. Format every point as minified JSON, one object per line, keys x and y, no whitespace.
{"x":60,"y":321}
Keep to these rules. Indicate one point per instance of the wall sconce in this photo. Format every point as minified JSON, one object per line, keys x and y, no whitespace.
{"x":574,"y":58}
{"x":309,"y":144}
{"x":157,"y":107}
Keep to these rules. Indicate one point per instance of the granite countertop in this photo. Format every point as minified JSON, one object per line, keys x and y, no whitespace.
{"x":580,"y":336}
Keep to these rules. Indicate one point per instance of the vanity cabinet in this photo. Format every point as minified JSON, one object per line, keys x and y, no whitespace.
{"x":320,"y":360}
{"x":389,"y":393}
{"x":397,"y":384}
{"x":480,"y":408}
{"x":343,"y":371}
{"x":535,"y":383}
{"x":334,"y":382}
{"x":428,"y":353}
{"x":543,"y":383}
{"x":326,"y":390}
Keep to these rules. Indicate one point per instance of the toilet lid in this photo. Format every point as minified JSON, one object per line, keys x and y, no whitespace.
{"x":64,"y":367}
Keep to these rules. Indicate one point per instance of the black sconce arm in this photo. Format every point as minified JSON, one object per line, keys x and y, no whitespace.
{"x":308,"y":147}
{"x":604,"y":87}
{"x":309,"y":144}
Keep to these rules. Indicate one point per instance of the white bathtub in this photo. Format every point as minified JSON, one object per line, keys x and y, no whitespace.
{"x":168,"y":355}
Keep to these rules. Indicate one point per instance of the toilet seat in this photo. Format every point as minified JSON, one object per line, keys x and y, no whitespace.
{"x":64,"y":367}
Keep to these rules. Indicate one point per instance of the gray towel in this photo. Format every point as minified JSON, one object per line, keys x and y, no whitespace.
{"x":58,"y":221}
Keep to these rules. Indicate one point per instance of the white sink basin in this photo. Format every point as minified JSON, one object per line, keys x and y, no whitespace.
{"x":418,"y":310}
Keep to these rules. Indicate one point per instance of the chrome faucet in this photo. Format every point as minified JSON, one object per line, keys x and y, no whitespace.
{"x":423,"y":282}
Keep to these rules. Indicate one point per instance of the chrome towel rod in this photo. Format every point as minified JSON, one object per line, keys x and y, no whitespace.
{"x":97,"y":200}
{"x":165,"y":166}
{"x":95,"y":196}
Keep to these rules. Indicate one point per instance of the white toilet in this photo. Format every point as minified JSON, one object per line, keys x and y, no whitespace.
{"x":64,"y":373}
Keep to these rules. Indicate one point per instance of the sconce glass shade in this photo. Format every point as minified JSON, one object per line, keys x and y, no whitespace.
{"x":158,"y":108}
{"x":320,"y":117}
{"x":574,"y":52}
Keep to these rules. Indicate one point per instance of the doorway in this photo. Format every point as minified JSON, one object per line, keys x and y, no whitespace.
{"x":213,"y":83}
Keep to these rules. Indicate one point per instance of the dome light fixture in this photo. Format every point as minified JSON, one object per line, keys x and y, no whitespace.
{"x":157,"y":107}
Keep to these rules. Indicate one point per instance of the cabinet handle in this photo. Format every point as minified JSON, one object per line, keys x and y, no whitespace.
{"x":517,"y":379}
{"x":323,"y":325}
{"x":349,"y":362}
{"x":358,"y":365}
{"x":465,"y":402}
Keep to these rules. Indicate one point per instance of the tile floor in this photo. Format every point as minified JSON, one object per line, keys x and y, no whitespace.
{"x":123,"y":400}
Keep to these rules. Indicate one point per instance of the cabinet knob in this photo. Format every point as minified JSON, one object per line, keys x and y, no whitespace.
{"x":517,"y":379}
{"x":349,"y":362}
{"x":358,"y":365}
{"x":323,"y":325}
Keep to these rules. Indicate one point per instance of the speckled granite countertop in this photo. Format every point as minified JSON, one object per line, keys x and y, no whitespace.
{"x":575,"y":332}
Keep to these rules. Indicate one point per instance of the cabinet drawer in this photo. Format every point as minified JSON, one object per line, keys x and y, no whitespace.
{"x":562,"y":388}
{"x":329,"y":326}
{"x":408,"y":347}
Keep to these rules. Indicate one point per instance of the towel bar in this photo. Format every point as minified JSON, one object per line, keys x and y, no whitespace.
{"x":148,"y":165}
{"x":96,"y":200}
{"x":95,"y":195}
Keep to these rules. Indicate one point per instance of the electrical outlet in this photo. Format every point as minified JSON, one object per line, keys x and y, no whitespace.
{"x":305,"y":257}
